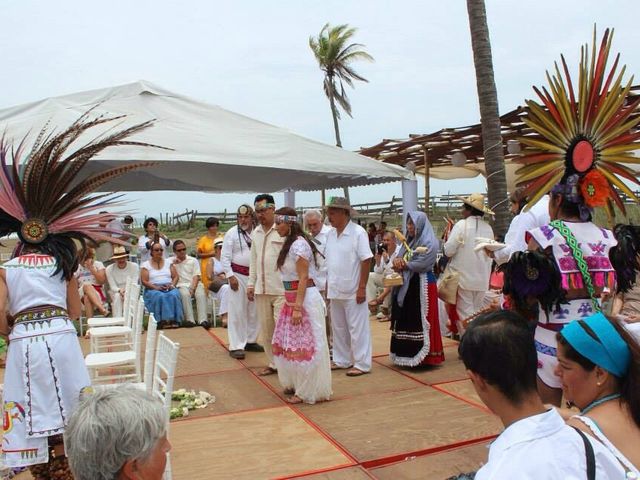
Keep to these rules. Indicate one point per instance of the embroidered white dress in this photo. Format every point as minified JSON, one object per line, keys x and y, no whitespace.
{"x":301,"y":353}
{"x":45,"y":370}
{"x":595,"y":243}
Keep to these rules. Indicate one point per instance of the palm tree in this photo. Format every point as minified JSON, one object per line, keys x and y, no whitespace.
{"x":489,"y":115}
{"x":335,"y":54}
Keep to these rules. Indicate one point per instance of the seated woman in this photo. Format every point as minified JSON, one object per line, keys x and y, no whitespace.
{"x":161,"y":296}
{"x":599,"y":367}
{"x":91,"y":277}
{"x":215,"y":274}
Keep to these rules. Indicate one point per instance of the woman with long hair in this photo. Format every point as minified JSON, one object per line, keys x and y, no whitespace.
{"x":45,"y":201}
{"x":300,"y":349}
{"x":415,"y":324}
{"x":599,"y":367}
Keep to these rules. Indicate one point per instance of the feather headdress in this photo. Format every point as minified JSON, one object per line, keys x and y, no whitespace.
{"x":588,"y":136}
{"x":45,"y":200}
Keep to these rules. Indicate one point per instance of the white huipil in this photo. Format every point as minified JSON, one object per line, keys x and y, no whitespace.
{"x":242,"y":319}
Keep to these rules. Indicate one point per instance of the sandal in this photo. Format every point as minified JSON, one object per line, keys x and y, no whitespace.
{"x":267,"y":371}
{"x":294,"y":400}
{"x":289,"y":391}
{"x":354,"y":372}
{"x":337,"y":367}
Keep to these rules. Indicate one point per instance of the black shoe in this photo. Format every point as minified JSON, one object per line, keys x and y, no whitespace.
{"x":237,"y":354}
{"x":206,"y":325}
{"x":161,"y":325}
{"x":254,"y":347}
{"x":188,"y":324}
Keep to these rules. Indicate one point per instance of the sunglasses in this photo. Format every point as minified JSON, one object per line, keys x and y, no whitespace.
{"x":181,"y":249}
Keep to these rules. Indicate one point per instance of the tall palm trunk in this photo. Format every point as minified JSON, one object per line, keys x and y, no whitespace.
{"x":336,"y":127}
{"x":489,"y":115}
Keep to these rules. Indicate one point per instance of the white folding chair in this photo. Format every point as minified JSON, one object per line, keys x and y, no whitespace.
{"x":163,"y":376}
{"x":108,"y":338}
{"x":121,"y":366}
{"x":132,"y":292}
{"x":213,"y":302}
{"x":149,"y":359}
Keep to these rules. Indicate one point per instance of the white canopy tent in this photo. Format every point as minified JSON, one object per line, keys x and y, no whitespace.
{"x":213,"y":149}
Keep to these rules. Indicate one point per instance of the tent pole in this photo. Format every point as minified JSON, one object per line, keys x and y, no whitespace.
{"x":427,"y":193}
{"x":323,"y":197}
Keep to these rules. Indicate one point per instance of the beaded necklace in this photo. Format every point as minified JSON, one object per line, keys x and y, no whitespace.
{"x":600,"y":401}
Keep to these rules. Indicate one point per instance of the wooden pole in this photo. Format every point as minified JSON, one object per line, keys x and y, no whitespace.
{"x":427,"y":193}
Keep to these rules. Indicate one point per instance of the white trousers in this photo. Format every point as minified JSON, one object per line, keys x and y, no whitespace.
{"x":222,"y":296}
{"x":374,"y":285}
{"x":468,"y":303}
{"x":201,"y":303}
{"x":242,"y":320}
{"x":116,"y":304}
{"x":351,"y":334}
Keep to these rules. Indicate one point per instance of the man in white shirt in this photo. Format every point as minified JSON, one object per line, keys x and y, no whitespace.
{"x":500,"y":357}
{"x":473,"y":266}
{"x":319,"y":231}
{"x":348,"y":260}
{"x":117,"y":275}
{"x":242,"y":320}
{"x":515,"y":238}
{"x":190,"y":286}
{"x":265,"y":282}
{"x":385,"y":254}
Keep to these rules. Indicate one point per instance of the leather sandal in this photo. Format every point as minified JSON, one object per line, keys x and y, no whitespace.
{"x":267,"y":371}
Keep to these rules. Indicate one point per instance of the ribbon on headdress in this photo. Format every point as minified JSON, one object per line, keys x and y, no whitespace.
{"x":608,"y":351}
{"x":286,"y":219}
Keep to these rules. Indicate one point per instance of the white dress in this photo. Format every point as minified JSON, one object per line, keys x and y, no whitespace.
{"x":301,"y":353}
{"x":45,"y":371}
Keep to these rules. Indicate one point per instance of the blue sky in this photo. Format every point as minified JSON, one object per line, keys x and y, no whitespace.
{"x":252,"y":57}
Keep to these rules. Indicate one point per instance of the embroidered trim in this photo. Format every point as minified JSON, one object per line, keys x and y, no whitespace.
{"x":546,"y":349}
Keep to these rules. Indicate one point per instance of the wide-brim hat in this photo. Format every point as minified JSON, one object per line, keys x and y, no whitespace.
{"x":341,"y":203}
{"x":476,"y":200}
{"x":119,"y":252}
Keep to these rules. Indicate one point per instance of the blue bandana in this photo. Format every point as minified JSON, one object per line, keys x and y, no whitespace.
{"x":610,"y":351}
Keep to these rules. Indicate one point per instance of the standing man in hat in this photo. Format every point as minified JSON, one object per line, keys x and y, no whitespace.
{"x":265,"y":283}
{"x":235,"y":258}
{"x":118,"y":273}
{"x":348,"y":260}
{"x":473,"y":266}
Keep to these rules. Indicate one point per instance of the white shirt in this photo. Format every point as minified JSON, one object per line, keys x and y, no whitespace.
{"x":117,"y":277}
{"x":474,"y":267}
{"x":187,"y":269}
{"x":344,"y":255}
{"x":535,"y":217}
{"x":543,"y":447}
{"x":234,"y":250}
{"x":385,"y":268}
{"x":145,"y":253}
{"x":321,"y":237}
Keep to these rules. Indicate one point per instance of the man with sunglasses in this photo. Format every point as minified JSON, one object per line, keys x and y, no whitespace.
{"x":190,"y":286}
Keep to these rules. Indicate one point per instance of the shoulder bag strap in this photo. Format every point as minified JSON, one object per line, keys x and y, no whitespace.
{"x":591,"y":458}
{"x":580,"y":261}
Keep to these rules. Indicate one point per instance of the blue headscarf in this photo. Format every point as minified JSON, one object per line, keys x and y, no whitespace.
{"x":420,"y":262}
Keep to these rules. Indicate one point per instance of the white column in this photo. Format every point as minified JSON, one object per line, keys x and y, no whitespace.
{"x":290,"y":198}
{"x":409,"y":197}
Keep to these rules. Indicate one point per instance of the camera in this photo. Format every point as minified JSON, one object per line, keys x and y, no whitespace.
{"x":381,"y":248}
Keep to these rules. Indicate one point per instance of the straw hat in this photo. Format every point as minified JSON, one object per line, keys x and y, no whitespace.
{"x":341,"y":203}
{"x":476,"y":200}
{"x":119,"y":252}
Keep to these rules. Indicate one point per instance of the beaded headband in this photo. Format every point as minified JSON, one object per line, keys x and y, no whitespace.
{"x":609,"y":351}
{"x":262,"y":204}
{"x":286,"y":219}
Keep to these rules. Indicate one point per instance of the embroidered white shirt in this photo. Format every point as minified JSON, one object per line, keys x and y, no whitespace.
{"x":543,"y":447}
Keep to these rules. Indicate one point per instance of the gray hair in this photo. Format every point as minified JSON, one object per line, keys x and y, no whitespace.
{"x":312,"y":213}
{"x":111,"y":427}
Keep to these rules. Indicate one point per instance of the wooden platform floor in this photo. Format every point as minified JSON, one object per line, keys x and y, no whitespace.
{"x":394,"y":423}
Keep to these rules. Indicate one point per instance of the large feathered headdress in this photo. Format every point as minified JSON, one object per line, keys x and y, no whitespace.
{"x":46,"y":200}
{"x":582,"y":142}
